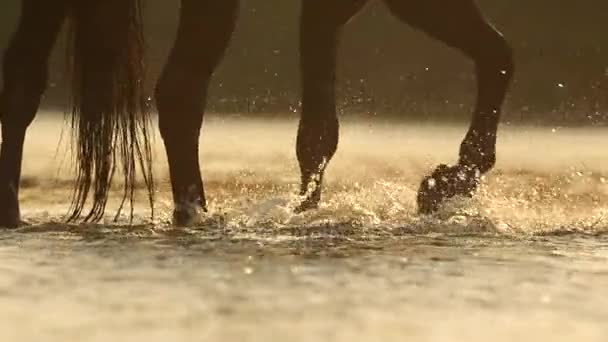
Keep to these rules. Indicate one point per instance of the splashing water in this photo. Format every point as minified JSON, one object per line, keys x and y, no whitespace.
{"x":527,"y":256}
{"x":543,"y":183}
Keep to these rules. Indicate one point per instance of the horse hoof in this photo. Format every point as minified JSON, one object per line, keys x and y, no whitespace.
{"x":11,"y":224}
{"x":10,"y":216}
{"x":187,"y":216}
{"x":306,"y":205}
{"x":444,"y":183}
{"x":11,"y":220}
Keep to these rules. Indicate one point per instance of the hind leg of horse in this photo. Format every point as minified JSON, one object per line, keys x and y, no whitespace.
{"x":204,"y":32}
{"x":25,"y":77}
{"x":459,"y":24}
{"x":321,"y":23}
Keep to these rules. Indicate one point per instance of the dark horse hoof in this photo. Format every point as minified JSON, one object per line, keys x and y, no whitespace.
{"x":306,"y":205}
{"x":187,"y":215}
{"x":444,"y":183}
{"x":11,"y":222}
{"x":10,"y":216}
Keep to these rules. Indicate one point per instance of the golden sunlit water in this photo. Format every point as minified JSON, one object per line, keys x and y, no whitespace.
{"x":526,"y":259}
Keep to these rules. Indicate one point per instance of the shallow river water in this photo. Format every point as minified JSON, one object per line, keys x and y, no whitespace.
{"x":526,"y":259}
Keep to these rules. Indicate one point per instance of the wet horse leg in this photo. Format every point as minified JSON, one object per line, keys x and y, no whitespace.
{"x":459,"y":24}
{"x":321,"y":23}
{"x":25,"y":77}
{"x":204,"y":31}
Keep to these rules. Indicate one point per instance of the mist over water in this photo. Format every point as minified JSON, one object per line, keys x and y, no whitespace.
{"x":524,"y":259}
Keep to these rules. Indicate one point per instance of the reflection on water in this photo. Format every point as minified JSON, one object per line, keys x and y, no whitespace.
{"x":527,"y":259}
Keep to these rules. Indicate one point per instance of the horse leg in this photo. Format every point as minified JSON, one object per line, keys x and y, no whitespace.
{"x":204,"y":31}
{"x":320,"y":26}
{"x":459,"y":24}
{"x":25,"y":77}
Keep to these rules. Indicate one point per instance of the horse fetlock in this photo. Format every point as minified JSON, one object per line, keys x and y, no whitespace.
{"x":311,"y":185}
{"x":478,"y":154}
{"x":482,"y":162}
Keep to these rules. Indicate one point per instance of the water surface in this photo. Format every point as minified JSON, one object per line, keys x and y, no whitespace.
{"x":526,"y":259}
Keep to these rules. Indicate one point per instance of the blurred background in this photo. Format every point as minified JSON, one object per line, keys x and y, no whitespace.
{"x":389,"y":70}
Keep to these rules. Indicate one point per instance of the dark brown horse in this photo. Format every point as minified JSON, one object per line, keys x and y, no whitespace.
{"x":110,"y":114}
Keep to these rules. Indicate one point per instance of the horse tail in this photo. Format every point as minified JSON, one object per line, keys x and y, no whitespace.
{"x":109,"y":113}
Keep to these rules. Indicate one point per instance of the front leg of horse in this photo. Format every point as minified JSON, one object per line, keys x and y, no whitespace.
{"x":10,"y":215}
{"x":317,"y":143}
{"x":204,"y":31}
{"x":469,"y":32}
{"x":10,"y":170}
{"x":16,"y":113}
{"x":478,"y":149}
{"x":320,"y":26}
{"x":25,"y":77}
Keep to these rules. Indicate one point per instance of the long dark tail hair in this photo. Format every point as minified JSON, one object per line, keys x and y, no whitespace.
{"x":109,"y":114}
